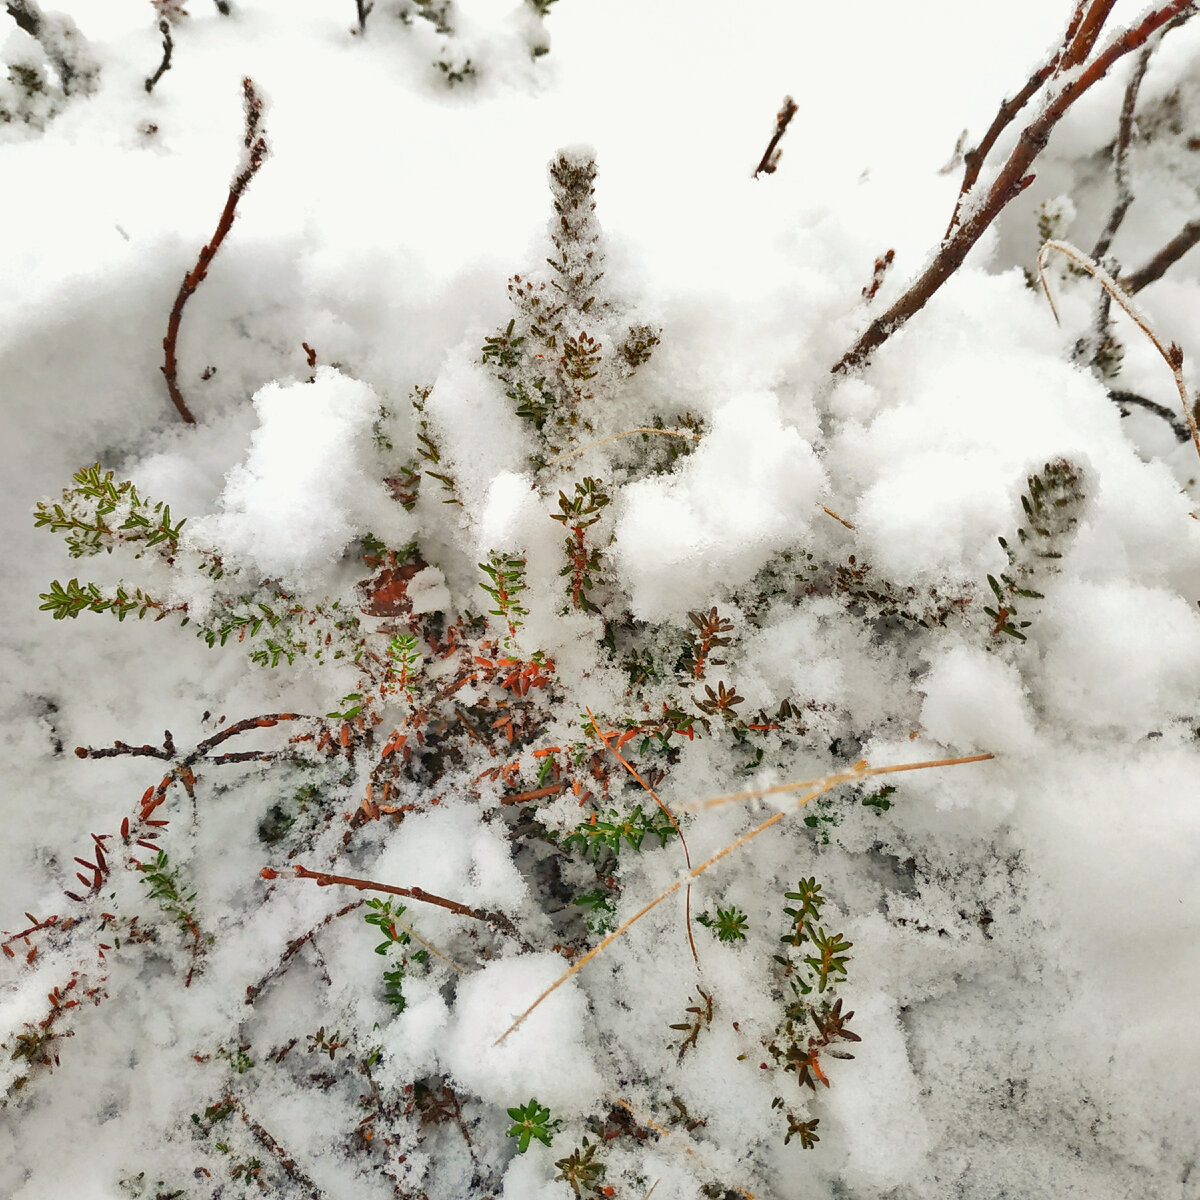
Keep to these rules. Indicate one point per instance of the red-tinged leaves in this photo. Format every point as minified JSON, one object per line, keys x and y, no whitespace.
{"x":395,"y":742}
{"x":8,"y":950}
{"x":125,"y":828}
{"x":387,"y":594}
{"x":268,"y":873}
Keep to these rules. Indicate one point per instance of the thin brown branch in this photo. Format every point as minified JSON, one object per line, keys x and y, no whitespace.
{"x":1166,"y":258}
{"x":256,"y":151}
{"x":882,"y":263}
{"x":164,"y":27}
{"x":1124,"y":196}
{"x":770,"y":159}
{"x":1123,"y":400}
{"x":273,"y":1147}
{"x":1090,"y":26}
{"x":973,"y":217}
{"x":496,"y":919}
{"x":254,"y":990}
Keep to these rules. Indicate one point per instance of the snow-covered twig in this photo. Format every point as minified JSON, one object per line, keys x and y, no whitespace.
{"x":770,"y":158}
{"x":323,"y":879}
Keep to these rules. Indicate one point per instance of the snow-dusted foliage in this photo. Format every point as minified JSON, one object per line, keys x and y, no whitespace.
{"x":611,"y":692}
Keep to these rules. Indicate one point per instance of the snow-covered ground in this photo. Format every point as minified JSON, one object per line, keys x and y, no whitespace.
{"x":788,"y":580}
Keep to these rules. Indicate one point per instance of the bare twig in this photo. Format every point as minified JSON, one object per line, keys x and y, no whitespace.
{"x":363,"y":8}
{"x":273,"y":1147}
{"x":770,"y":158}
{"x":881,"y":268}
{"x":253,"y":991}
{"x":1170,"y":254}
{"x":323,"y":879}
{"x":820,"y":787}
{"x":1124,"y":196}
{"x":255,"y":155}
{"x":1171,"y":354}
{"x":978,"y":205}
{"x":831,"y":513}
{"x":1124,"y":399}
{"x":164,"y":27}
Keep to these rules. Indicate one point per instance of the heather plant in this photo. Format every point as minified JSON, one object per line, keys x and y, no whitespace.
{"x":500,"y":741}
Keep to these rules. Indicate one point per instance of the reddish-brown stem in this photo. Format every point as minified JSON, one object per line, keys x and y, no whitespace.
{"x":1170,"y":254}
{"x":253,"y":991}
{"x":496,"y":919}
{"x":1011,"y":179}
{"x":256,"y":154}
{"x":770,"y":158}
{"x":1090,"y":25}
{"x":286,"y":1162}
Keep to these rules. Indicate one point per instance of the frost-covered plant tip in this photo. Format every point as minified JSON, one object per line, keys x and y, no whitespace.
{"x":593,"y":774}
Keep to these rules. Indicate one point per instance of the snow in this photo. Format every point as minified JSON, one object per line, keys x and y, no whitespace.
{"x":1024,"y":930}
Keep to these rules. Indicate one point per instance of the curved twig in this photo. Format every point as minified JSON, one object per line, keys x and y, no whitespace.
{"x":1171,"y":354}
{"x":254,"y":157}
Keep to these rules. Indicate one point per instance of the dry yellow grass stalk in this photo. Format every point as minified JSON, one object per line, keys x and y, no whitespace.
{"x":1172,"y":355}
{"x":860,"y":770}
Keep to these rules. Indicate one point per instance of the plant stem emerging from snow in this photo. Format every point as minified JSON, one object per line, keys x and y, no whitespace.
{"x":255,"y":155}
{"x":164,"y":27}
{"x":1170,"y":254}
{"x":820,"y":787}
{"x":1069,"y":76}
{"x":770,"y":158}
{"x":1171,"y":354}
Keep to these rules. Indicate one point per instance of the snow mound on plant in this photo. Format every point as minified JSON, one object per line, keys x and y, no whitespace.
{"x":304,"y":494}
{"x":974,"y":701}
{"x":546,"y":1057}
{"x":748,"y":491}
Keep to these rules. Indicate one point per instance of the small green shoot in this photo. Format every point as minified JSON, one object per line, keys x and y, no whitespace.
{"x":729,"y":925}
{"x":531,"y":1121}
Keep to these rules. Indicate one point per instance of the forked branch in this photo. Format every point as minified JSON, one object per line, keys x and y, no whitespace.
{"x":256,"y":151}
{"x":980,"y":202}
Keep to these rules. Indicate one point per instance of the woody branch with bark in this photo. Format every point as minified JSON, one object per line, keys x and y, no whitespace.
{"x":1073,"y":68}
